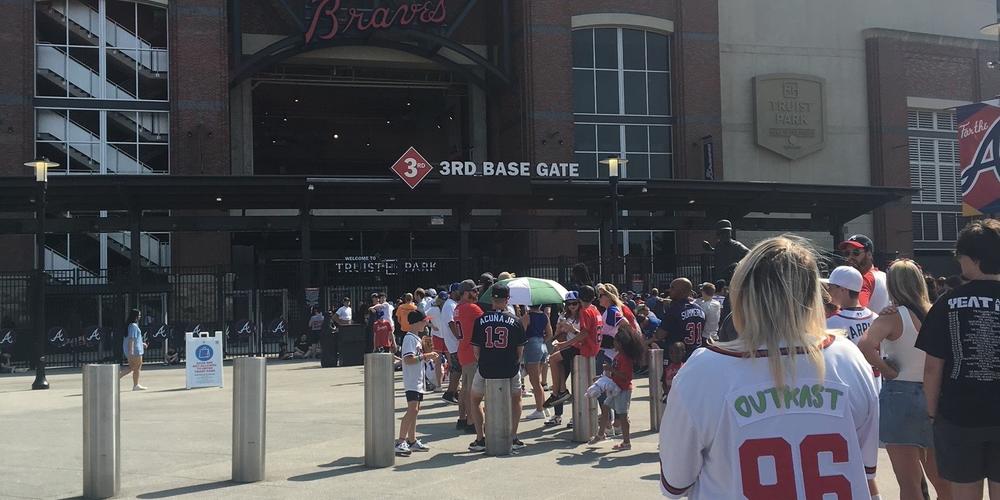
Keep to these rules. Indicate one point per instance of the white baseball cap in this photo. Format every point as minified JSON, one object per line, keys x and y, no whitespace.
{"x":846,"y":277}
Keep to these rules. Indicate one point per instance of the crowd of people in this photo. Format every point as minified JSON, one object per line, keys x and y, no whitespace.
{"x":777,"y":384}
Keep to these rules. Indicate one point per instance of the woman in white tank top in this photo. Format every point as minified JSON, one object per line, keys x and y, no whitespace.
{"x":904,"y":426}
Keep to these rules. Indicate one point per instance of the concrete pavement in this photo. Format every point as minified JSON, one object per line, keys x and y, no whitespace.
{"x":177,"y":442}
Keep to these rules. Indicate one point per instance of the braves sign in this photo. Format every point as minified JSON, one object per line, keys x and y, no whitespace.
{"x":979,"y":154}
{"x":329,"y":18}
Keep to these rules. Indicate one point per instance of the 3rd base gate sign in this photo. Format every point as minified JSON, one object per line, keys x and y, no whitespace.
{"x":412,"y":168}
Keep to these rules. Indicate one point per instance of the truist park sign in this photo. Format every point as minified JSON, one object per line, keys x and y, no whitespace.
{"x":329,"y":19}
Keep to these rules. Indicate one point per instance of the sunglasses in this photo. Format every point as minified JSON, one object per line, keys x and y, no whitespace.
{"x":573,"y":303}
{"x":856,"y":252}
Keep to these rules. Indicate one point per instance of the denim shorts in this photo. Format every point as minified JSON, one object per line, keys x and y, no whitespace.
{"x":903,"y":416}
{"x":619,"y":403}
{"x":535,"y":351}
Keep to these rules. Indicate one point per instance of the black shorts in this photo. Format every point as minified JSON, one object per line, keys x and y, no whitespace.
{"x":967,"y":454}
{"x":314,"y":336}
{"x":568,"y":355}
{"x":414,"y":396}
{"x":453,"y":364}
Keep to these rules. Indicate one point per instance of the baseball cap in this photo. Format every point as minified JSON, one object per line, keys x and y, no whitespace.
{"x":501,"y":291}
{"x":415,"y":316}
{"x":857,"y":241}
{"x":571,"y":295}
{"x":467,"y":286}
{"x":431,"y":292}
{"x":486,"y":277}
{"x":846,"y":277}
{"x":454,"y":287}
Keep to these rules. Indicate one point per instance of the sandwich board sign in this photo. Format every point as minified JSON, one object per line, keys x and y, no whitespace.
{"x":203,"y":363}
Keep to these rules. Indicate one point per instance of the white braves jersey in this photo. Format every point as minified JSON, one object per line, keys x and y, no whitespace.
{"x":758,"y":441}
{"x":853,"y":321}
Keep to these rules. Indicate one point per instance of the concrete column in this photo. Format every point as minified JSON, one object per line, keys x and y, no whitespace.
{"x":499,"y":427}
{"x":249,"y":419}
{"x":101,"y":432}
{"x":241,"y":129}
{"x":655,"y":388}
{"x":584,"y":408}
{"x":380,"y":408}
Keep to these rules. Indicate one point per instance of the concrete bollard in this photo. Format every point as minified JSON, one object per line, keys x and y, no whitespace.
{"x":584,"y":408}
{"x":249,"y":419}
{"x":655,"y":388}
{"x":380,"y":410}
{"x":499,"y":438}
{"x":102,"y":463}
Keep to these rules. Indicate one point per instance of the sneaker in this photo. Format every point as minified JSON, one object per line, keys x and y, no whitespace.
{"x":550,"y":401}
{"x":535,"y":415}
{"x":450,"y":397}
{"x":138,"y":387}
{"x":622,"y":447}
{"x":555,"y":420}
{"x":402,"y":449}
{"x":517,"y":444}
{"x":478,"y":445}
{"x":562,"y":398}
{"x":545,"y":386}
{"x":418,"y":446}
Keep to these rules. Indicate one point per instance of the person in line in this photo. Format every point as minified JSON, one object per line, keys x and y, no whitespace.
{"x":628,"y":351}
{"x":498,"y":341}
{"x":344,"y":315}
{"x":903,"y":424}
{"x":561,"y":361}
{"x":675,"y":361}
{"x":413,"y":356}
{"x":961,"y":374}
{"x":859,"y":250}
{"x":538,"y":328}
{"x":316,"y":320}
{"x":785,"y":392}
{"x":585,"y":343}
{"x":844,"y":286}
{"x":450,"y":332}
{"x":404,"y":310}
{"x":683,"y":321}
{"x":133,"y":347}
{"x":713,"y":311}
{"x":466,"y":314}
{"x":433,"y":313}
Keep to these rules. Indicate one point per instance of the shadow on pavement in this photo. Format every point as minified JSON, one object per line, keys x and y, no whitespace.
{"x":618,"y":459}
{"x":343,"y":466}
{"x":437,"y":461}
{"x":186,"y":490}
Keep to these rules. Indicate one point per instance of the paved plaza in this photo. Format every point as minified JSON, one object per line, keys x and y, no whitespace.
{"x":177,"y":443}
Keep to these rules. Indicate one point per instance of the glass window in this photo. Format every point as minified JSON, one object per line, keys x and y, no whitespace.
{"x":631,"y":79}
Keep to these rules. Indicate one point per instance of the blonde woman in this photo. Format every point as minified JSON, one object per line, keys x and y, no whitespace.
{"x":787,"y":410}
{"x":904,"y":426}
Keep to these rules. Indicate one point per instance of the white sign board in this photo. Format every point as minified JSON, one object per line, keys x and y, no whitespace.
{"x":204,"y":359}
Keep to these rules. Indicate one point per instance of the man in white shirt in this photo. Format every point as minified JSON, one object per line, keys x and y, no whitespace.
{"x":344,"y":315}
{"x":448,"y":333}
{"x":712,"y":308}
{"x":428,"y":299}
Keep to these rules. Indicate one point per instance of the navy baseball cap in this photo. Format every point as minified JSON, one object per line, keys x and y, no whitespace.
{"x":415,"y":316}
{"x":501,"y":291}
{"x":858,"y":241}
{"x":454,"y":287}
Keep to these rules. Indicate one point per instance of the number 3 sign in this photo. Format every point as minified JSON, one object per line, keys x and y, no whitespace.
{"x":411,"y":167}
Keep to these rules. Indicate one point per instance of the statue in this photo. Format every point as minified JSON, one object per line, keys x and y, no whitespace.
{"x":727,"y":251}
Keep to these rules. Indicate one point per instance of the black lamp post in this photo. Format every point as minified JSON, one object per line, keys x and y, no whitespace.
{"x":614,"y":163}
{"x":41,"y":181}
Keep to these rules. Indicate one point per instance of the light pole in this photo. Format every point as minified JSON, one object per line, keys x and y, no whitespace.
{"x":41,"y":167}
{"x":613,"y":164}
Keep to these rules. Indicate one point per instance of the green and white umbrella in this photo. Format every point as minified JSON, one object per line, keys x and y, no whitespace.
{"x":529,"y":292}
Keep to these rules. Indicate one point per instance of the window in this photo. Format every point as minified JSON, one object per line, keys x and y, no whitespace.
{"x":87,"y":141}
{"x":923,"y":119}
{"x":621,"y":101}
{"x":934,"y":169}
{"x":937,"y":226}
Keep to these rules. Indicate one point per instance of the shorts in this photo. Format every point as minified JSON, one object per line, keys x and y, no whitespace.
{"x":314,"y":336}
{"x":599,"y":362}
{"x":903,"y":416}
{"x":568,"y":355}
{"x":468,"y":375}
{"x":414,"y":396}
{"x":967,"y":454}
{"x":619,"y":402}
{"x":535,"y":351}
{"x":479,"y":385}
{"x":439,"y":344}
{"x":453,"y":365}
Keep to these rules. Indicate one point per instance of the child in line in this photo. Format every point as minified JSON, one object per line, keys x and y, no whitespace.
{"x":629,"y":350}
{"x":672,"y":366}
{"x":413,"y":383}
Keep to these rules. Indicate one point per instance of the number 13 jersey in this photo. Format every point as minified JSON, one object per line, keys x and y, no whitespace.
{"x":498,"y":335}
{"x":729,"y":431}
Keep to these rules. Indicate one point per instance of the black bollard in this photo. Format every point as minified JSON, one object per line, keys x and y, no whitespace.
{"x":40,"y":382}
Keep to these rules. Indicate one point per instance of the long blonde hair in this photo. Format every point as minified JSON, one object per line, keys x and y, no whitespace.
{"x":776,"y":300}
{"x":613,"y":294}
{"x":907,"y":287}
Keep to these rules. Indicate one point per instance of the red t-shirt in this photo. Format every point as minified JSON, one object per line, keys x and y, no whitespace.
{"x":867,"y":287}
{"x":590,"y":328}
{"x":466,"y":315}
{"x":630,"y":317}
{"x":622,"y":364}
{"x":383,"y":333}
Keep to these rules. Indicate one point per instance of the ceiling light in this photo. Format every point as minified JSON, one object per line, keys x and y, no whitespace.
{"x":388,"y":122}
{"x":336,"y":135}
{"x":551,"y":198}
{"x":408,"y":103}
{"x":218,"y":198}
{"x":296,"y":99}
{"x":690,"y":202}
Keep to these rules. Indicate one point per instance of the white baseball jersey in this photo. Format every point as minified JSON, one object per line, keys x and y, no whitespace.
{"x":853,"y":321}
{"x":759,"y":441}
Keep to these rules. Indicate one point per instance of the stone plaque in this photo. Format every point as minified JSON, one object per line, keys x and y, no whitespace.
{"x":789,"y":114}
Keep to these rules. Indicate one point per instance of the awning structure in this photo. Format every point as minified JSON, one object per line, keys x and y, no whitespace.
{"x":216,"y":203}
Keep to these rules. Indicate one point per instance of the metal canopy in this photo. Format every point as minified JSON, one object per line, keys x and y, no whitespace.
{"x":655,"y":204}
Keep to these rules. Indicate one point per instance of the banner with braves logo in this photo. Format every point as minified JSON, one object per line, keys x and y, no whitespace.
{"x":979,"y":152}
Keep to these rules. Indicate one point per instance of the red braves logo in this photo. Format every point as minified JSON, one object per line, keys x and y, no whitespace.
{"x":427,"y":12}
